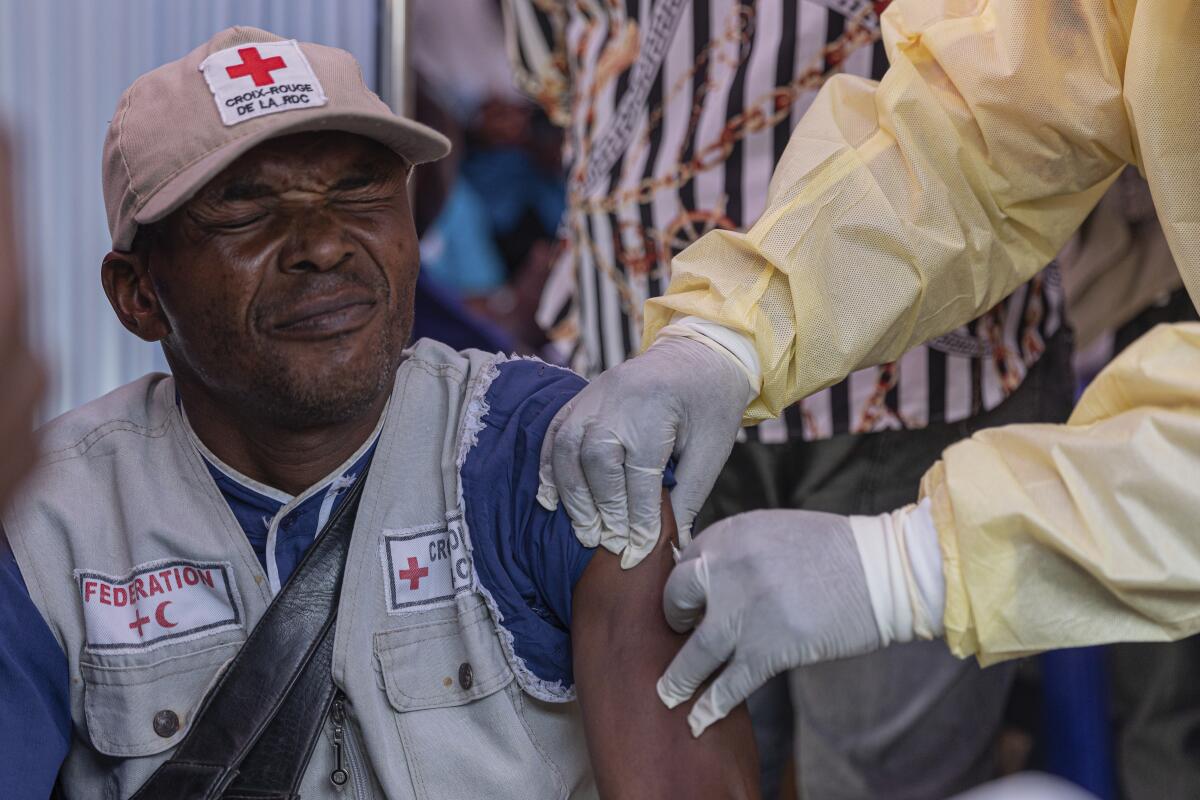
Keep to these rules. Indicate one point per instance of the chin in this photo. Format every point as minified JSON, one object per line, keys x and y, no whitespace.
{"x":307,"y":407}
{"x":323,"y":392}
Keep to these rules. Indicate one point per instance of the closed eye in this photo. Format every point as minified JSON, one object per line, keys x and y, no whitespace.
{"x":237,"y":224}
{"x":352,"y":182}
{"x":364,"y":203}
{"x":370,"y":183}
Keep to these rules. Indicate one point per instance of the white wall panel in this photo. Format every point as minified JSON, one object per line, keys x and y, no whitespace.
{"x":63,"y":65}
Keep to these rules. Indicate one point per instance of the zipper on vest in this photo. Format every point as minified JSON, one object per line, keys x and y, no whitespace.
{"x":347,"y":767}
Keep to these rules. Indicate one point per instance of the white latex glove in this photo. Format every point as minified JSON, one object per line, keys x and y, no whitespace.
{"x":605,"y":451}
{"x":773,"y":590}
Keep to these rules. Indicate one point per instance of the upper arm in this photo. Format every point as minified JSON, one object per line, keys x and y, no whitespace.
{"x":35,"y":717}
{"x":903,"y":209}
{"x":573,"y":615}
{"x":622,"y":644}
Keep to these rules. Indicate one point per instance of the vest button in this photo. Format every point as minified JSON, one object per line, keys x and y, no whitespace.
{"x":466,"y":675}
{"x":166,"y":723}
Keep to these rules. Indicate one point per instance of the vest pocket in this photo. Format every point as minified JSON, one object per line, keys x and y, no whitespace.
{"x":142,"y":710}
{"x":459,"y":714}
{"x":442,"y":663}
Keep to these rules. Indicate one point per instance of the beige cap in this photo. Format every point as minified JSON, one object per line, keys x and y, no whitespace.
{"x":179,"y":125}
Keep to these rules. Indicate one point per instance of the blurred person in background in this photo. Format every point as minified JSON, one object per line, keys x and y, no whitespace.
{"x":23,"y":378}
{"x":493,"y":238}
{"x":675,"y":115}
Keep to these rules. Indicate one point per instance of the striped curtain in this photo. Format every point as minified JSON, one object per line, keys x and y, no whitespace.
{"x":63,"y":65}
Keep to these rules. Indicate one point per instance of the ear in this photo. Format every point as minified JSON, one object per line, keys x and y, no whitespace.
{"x":130,"y":290}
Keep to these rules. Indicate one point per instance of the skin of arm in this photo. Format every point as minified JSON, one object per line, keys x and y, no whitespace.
{"x":639,"y":748}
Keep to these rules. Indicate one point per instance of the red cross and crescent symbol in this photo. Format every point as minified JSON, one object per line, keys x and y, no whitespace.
{"x":256,"y":66}
{"x":139,"y":623}
{"x":160,"y":616}
{"x":414,"y":573}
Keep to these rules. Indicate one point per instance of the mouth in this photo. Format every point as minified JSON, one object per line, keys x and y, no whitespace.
{"x":326,"y":317}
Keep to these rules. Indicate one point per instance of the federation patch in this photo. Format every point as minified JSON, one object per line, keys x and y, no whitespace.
{"x":425,"y":567}
{"x":253,"y":80}
{"x":157,"y":603}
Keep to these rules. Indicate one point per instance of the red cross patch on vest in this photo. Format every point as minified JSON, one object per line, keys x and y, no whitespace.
{"x":425,"y":567}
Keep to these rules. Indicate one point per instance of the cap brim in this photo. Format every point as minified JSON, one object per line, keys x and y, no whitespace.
{"x":416,"y":143}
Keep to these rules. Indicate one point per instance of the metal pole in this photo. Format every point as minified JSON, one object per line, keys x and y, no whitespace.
{"x":395,"y":84}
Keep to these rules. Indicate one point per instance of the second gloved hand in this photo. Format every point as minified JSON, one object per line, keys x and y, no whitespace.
{"x":771,"y":590}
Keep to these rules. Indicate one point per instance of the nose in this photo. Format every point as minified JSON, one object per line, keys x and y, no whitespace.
{"x":317,"y":244}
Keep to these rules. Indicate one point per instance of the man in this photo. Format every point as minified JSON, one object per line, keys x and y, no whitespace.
{"x":903,"y":208}
{"x":257,"y":199}
{"x":675,"y":115}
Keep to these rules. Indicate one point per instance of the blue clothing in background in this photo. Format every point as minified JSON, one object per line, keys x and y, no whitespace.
{"x":440,"y":314}
{"x":459,"y":248}
{"x":513,"y":184}
{"x":496,"y":190}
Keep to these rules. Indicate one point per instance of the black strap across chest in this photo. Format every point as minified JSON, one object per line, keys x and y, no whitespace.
{"x":255,"y":731}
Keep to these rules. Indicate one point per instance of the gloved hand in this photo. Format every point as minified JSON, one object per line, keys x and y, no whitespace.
{"x":605,"y":451}
{"x":773,"y":590}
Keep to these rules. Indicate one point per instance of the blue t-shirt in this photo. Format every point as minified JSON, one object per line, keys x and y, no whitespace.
{"x":255,"y":510}
{"x":527,"y":559}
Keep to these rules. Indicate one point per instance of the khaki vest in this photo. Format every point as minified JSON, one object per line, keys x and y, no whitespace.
{"x":438,"y":704}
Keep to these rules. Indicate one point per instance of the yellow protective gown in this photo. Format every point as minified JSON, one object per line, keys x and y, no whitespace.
{"x":903,"y":209}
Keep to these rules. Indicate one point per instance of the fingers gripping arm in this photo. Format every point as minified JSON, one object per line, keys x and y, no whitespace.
{"x":605,"y":451}
{"x":767,"y":591}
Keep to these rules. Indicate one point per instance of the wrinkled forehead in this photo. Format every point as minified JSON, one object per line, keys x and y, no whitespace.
{"x":318,"y":161}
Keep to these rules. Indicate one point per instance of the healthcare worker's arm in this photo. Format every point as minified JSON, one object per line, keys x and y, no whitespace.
{"x":1028,"y":538}
{"x":35,"y":716}
{"x":900,"y":210}
{"x":639,"y":748}
{"x":1085,"y":533}
{"x":905,"y":208}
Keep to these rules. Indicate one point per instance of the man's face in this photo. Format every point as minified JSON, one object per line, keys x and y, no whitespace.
{"x":288,"y":281}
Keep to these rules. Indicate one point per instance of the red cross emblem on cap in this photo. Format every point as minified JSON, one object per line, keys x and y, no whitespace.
{"x":256,"y":66}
